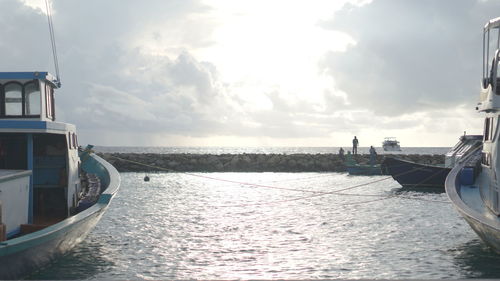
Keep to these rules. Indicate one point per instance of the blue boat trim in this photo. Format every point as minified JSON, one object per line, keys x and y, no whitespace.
{"x":35,"y":125}
{"x":40,"y":75}
{"x":24,"y":75}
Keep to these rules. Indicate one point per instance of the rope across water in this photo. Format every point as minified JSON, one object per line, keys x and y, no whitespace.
{"x":314,"y":193}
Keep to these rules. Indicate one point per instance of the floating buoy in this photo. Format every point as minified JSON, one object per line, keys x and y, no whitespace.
{"x":146,"y":178}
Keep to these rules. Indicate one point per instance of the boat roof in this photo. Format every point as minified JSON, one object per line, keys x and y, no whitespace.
{"x":493,"y":23}
{"x":35,"y":126}
{"x":39,"y":75}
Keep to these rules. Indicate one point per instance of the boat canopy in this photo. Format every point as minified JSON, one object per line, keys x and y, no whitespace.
{"x":36,"y":75}
{"x":493,"y":23}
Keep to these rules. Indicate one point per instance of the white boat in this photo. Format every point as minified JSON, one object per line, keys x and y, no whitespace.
{"x":391,"y":144}
{"x":473,"y":185}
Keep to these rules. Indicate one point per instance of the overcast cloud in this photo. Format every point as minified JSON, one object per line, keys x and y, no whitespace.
{"x":162,"y":73}
{"x":411,"y":56}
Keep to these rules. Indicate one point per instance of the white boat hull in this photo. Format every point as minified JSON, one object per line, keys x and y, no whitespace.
{"x":468,"y":202}
{"x":392,"y":148}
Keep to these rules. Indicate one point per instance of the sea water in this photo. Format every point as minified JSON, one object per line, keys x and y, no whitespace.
{"x":286,"y":225}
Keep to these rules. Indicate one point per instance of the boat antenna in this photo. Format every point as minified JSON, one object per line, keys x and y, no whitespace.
{"x":53,"y":42}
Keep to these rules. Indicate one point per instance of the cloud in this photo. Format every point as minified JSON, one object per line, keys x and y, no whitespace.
{"x":142,"y":73}
{"x":410,"y":56}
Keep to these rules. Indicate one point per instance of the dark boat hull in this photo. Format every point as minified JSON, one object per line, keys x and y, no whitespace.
{"x":413,"y":175}
{"x":21,"y":256}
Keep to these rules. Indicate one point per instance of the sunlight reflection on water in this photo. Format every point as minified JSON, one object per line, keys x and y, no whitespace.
{"x":182,"y":227}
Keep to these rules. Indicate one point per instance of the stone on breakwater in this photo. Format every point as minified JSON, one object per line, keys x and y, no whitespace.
{"x":138,"y":162}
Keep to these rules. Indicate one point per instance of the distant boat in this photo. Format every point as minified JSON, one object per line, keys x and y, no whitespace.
{"x":391,"y":144}
{"x":473,"y":184}
{"x":413,"y":175}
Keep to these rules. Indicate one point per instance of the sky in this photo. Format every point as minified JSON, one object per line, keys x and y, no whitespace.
{"x":257,"y":73}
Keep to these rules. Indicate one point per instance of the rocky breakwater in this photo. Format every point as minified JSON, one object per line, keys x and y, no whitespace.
{"x":137,"y":162}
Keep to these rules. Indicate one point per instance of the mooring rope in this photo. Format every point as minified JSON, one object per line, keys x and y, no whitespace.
{"x":315,"y":193}
{"x":245,"y":183}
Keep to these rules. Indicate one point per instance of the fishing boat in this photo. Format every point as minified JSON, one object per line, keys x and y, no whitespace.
{"x":472,"y":185}
{"x":52,"y":192}
{"x":391,"y":144}
{"x":412,"y":175}
{"x":353,"y":168}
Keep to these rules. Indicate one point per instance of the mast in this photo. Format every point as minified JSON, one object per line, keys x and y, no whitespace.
{"x":53,"y":42}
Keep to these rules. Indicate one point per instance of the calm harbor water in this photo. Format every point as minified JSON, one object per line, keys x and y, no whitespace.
{"x":196,"y":226}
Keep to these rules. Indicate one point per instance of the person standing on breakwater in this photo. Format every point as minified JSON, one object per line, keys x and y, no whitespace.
{"x":355,"y":143}
{"x":373,"y":155}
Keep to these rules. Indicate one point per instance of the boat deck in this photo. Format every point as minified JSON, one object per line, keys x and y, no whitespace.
{"x":471,"y":196}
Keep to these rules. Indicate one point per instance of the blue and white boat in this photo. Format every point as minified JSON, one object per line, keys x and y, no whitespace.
{"x":52,"y":193}
{"x":473,"y":185}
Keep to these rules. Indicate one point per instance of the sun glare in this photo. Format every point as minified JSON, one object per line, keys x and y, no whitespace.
{"x":267,"y":45}
{"x":36,"y":4}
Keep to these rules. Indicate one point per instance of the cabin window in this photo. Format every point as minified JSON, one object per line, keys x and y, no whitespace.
{"x":32,"y":97}
{"x":18,"y":100}
{"x":13,"y":99}
{"x":49,"y":102}
{"x":75,"y":141}
{"x":70,"y":144}
{"x":72,"y":140}
{"x":488,"y":129}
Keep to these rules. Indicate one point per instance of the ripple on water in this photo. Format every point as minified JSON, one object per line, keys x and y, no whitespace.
{"x":182,"y":227}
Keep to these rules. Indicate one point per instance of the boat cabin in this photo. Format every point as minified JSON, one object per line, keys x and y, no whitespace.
{"x":489,"y":103}
{"x":490,"y":84}
{"x":31,"y":140}
{"x":391,"y":144}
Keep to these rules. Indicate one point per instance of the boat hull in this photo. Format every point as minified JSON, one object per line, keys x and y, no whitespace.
{"x":391,"y":148}
{"x":364,"y":170}
{"x":34,"y":254}
{"x":485,"y":224}
{"x":21,"y":256}
{"x":413,"y":175}
{"x":489,"y":234}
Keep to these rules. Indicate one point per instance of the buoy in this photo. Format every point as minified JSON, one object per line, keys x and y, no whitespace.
{"x":146,"y":178}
